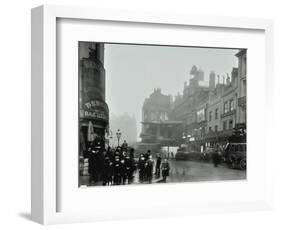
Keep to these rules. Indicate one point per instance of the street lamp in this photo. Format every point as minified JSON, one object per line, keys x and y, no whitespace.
{"x":118,"y":135}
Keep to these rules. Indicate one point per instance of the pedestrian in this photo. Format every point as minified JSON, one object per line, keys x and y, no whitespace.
{"x":147,"y":154}
{"x":129,"y":169}
{"x":165,"y":169}
{"x":149,"y":169}
{"x":117,"y":171}
{"x":107,"y":172}
{"x":158,"y":165}
{"x":123,"y":175}
{"x":216,"y":157}
{"x":132,"y":156}
{"x":124,"y":146}
{"x":93,"y":167}
{"x":141,"y":166}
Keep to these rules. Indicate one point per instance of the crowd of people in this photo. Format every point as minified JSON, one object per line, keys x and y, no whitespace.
{"x":119,"y":166}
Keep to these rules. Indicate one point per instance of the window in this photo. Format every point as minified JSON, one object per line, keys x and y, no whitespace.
{"x":216,"y":113}
{"x":231,"y":102}
{"x":224,"y":125}
{"x":210,"y":116}
{"x":230,"y":124}
{"x":225,"y":107}
{"x":210,"y":129}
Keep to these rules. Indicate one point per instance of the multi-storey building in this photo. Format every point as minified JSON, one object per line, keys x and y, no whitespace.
{"x":242,"y":87}
{"x":214,"y":111}
{"x":157,"y":126}
{"x":229,"y":102}
{"x":206,"y":112}
{"x":94,"y":113}
{"x":199,"y":133}
{"x":186,"y":105}
{"x":222,"y":110}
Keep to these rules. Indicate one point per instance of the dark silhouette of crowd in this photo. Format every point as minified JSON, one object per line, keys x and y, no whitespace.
{"x":117,"y":166}
{"x":113,"y":166}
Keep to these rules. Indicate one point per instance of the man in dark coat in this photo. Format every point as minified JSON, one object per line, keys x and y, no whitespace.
{"x":124,"y":146}
{"x":147,"y":154}
{"x":129,"y":167}
{"x":141,"y":166}
{"x":158,"y":165}
{"x":165,"y":169}
{"x":149,"y":169}
{"x":216,"y":158}
{"x":117,"y":171}
{"x":93,"y":167}
{"x":108,"y":171}
{"x":123,"y":174}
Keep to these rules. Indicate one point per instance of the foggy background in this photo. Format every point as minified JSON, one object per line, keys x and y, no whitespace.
{"x":133,"y":71}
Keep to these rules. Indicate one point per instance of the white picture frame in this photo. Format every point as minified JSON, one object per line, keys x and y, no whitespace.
{"x":45,"y":161}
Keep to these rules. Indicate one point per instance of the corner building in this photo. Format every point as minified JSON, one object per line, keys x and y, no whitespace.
{"x":94,"y":113}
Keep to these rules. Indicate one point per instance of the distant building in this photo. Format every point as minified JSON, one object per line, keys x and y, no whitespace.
{"x":185,"y":107}
{"x":199,"y":133}
{"x":157,"y":128}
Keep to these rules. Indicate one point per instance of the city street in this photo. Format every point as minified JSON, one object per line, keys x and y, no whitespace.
{"x":182,"y":171}
{"x":190,"y":171}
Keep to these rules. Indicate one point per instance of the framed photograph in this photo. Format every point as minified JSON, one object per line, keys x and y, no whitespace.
{"x":139,"y":115}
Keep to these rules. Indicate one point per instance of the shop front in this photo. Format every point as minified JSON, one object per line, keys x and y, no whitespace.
{"x":94,"y":116}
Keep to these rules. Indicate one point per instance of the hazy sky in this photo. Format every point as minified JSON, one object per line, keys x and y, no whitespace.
{"x":133,"y":71}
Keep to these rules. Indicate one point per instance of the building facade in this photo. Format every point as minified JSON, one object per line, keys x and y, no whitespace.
{"x":94,"y":113}
{"x":206,"y":114}
{"x":222,"y":107}
{"x":190,"y":108}
{"x":242,"y":87}
{"x":157,"y":127}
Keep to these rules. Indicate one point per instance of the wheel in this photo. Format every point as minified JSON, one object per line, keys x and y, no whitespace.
{"x":243,"y":164}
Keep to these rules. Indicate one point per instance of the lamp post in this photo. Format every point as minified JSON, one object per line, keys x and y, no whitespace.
{"x":118,"y":135}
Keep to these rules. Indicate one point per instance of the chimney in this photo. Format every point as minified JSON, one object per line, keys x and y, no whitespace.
{"x":227,"y":79}
{"x":234,"y":74}
{"x":218,"y":79}
{"x":212,"y":79}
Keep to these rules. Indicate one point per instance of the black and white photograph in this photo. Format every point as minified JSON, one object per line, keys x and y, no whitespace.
{"x":155,"y":114}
